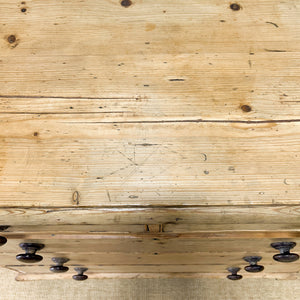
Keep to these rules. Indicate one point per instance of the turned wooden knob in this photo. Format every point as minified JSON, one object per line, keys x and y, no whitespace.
{"x":234,"y":275}
{"x":59,"y":267}
{"x":253,"y":267}
{"x":284,"y":249}
{"x":3,"y":240}
{"x":80,"y":276}
{"x":30,"y":249}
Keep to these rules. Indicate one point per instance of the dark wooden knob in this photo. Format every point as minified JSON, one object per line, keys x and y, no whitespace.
{"x":234,"y":275}
{"x":3,"y":240}
{"x":253,"y":267}
{"x":30,"y":249}
{"x":80,"y":276}
{"x":59,"y":267}
{"x":284,"y":249}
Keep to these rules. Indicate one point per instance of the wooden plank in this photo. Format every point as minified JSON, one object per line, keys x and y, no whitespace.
{"x":44,"y":162}
{"x":250,"y":56}
{"x":134,"y":129}
{"x":87,"y":230}
{"x":153,"y":245}
{"x":272,"y":269}
{"x":118,"y":260}
{"x":280,"y":276}
{"x":277,"y":215}
{"x":217,"y":232}
{"x":168,"y":262}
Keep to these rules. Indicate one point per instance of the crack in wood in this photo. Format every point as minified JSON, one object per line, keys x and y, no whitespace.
{"x":190,"y":121}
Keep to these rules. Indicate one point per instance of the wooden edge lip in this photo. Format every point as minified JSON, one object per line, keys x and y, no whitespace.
{"x":280,"y":276}
{"x":185,"y":235}
{"x":146,"y":207}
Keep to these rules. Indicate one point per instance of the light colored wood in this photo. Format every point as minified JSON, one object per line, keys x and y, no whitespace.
{"x":162,"y":262}
{"x":153,"y":245}
{"x":36,"y":273}
{"x":282,"y":276}
{"x":140,"y":108}
{"x":172,"y":217}
{"x":147,"y":164}
{"x":232,"y":232}
{"x":220,"y":268}
{"x":112,"y":106}
{"x":198,"y":231}
{"x":116,"y":55}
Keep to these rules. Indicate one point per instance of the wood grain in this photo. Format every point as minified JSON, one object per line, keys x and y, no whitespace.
{"x":45,"y":161}
{"x":192,"y":104}
{"x":155,"y":246}
{"x":184,"y":59}
{"x":173,"y":218}
{"x":177,"y":116}
{"x":276,"y":276}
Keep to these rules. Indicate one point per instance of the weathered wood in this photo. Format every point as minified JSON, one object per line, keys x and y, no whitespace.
{"x":273,"y":269}
{"x":172,"y":217}
{"x":193,"y":105}
{"x":282,"y":276}
{"x":161,"y":262}
{"x":154,"y":244}
{"x":134,"y":232}
{"x":183,"y":59}
{"x":44,"y":162}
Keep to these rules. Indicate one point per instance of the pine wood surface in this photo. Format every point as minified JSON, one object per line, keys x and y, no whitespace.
{"x":176,"y":117}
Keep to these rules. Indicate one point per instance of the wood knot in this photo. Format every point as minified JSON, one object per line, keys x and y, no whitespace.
{"x":246,"y":108}
{"x":126,"y":3}
{"x":75,"y":198}
{"x":235,"y":6}
{"x":11,"y":39}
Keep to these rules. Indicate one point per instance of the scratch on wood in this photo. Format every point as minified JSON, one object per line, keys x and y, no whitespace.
{"x":190,"y":121}
{"x":273,"y":24}
{"x":131,"y":160}
{"x":147,"y":145}
{"x":108,"y":195}
{"x":204,"y":156}
{"x":274,"y":50}
{"x":63,"y":97}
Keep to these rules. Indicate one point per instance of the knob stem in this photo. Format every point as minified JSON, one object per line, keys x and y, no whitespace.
{"x":234,"y":275}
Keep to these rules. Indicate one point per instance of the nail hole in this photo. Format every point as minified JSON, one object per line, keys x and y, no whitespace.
{"x":11,"y":39}
{"x":35,"y":133}
{"x":246,"y":108}
{"x":235,"y":6}
{"x":126,"y":3}
{"x":23,"y":10}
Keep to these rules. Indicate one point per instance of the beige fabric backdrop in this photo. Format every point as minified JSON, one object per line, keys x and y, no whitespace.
{"x":144,"y":289}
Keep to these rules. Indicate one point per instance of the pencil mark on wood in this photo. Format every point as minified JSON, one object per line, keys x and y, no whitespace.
{"x":108,"y":195}
{"x":130,"y":159}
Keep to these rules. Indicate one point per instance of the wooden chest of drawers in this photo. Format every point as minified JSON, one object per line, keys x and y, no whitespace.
{"x":147,"y":138}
